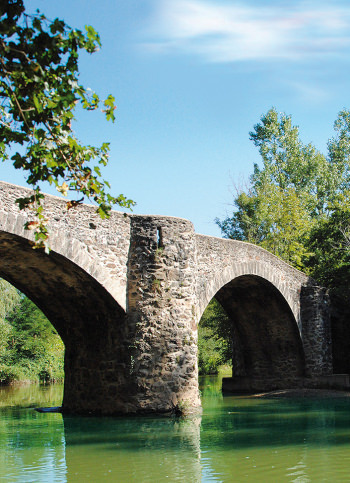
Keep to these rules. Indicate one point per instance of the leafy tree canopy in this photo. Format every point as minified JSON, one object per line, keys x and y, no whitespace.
{"x":329,"y":245}
{"x":30,"y":348}
{"x":39,"y":93}
{"x":9,"y":297}
{"x":293,"y":191}
{"x":297,"y":205}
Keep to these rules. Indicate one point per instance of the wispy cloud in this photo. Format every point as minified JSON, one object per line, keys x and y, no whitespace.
{"x":229,"y":32}
{"x":309,"y":93}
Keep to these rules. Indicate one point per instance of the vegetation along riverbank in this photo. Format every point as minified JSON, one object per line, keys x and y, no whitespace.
{"x":30,"y":348}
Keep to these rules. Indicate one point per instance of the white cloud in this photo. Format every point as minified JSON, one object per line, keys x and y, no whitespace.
{"x":231,"y":31}
{"x":309,"y":92}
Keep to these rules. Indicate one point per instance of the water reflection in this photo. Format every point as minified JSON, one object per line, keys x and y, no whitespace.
{"x":30,"y":395}
{"x":136,"y":449}
{"x":297,"y":440}
{"x":236,"y":439}
{"x":60,"y":448}
{"x":32,"y":449}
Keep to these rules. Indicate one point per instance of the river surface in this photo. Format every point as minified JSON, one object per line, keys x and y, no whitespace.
{"x":235,"y":439}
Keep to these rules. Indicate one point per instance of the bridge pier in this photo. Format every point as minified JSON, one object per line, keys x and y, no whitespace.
{"x":316,"y":346}
{"x":161,"y":312}
{"x":146,"y":360}
{"x":316,"y":331}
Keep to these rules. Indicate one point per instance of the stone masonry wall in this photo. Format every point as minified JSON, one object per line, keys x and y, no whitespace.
{"x":161,"y":308}
{"x":130,"y":291}
{"x":220,"y":261}
{"x":100,"y":247}
{"x":316,"y":331}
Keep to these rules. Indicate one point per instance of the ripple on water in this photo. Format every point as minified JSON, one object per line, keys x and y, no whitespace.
{"x":236,"y":439}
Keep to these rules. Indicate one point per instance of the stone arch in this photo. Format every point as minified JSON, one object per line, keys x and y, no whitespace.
{"x":91,"y":323}
{"x":254,"y":268}
{"x":267,"y":346}
{"x":73,"y":250}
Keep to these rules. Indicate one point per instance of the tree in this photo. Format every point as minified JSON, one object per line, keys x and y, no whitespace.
{"x":339,"y":150}
{"x":9,"y":297}
{"x":298,"y":207}
{"x":275,"y":219}
{"x":39,"y":93}
{"x":288,"y":163}
{"x":30,"y":348}
{"x":329,"y":245}
{"x":289,"y":194}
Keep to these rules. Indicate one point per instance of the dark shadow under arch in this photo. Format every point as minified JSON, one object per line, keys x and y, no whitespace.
{"x":268,"y":351}
{"x":90,"y":322}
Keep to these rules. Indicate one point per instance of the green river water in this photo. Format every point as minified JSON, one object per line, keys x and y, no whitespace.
{"x":235,"y":439}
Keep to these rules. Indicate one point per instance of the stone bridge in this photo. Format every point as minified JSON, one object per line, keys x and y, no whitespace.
{"x":126,"y":296}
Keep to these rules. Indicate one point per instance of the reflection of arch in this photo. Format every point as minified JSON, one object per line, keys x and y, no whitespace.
{"x":266,"y":339}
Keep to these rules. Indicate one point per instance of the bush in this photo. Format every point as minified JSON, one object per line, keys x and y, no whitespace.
{"x":11,"y":374}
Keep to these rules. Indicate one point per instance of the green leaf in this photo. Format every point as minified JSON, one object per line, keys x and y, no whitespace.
{"x":40,"y":89}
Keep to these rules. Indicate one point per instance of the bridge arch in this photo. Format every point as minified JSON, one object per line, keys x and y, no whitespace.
{"x":91,"y":323}
{"x":220,"y":260}
{"x":262,"y":297}
{"x":250,"y":268}
{"x":267,"y":346}
{"x":69,"y":248}
{"x":126,"y":293}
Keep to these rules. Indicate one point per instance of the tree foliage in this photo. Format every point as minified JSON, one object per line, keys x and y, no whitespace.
{"x":39,"y":94}
{"x":329,"y":244}
{"x":30,"y":348}
{"x":298,"y":206}
{"x":9,"y":297}
{"x":293,"y":191}
{"x":214,"y":339}
{"x":290,"y":164}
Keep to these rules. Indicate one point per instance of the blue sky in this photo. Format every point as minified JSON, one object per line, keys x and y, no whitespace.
{"x":191,"y":78}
